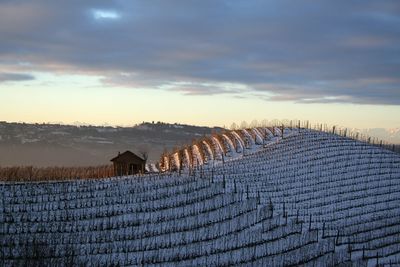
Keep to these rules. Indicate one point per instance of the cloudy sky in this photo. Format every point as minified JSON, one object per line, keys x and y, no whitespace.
{"x":200,"y":62}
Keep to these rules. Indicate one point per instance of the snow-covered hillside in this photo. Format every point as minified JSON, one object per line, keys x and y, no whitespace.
{"x":348,"y":189}
{"x":309,"y":198}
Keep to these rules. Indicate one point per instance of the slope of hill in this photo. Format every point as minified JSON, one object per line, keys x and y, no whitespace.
{"x":310,"y":198}
{"x":348,"y":188}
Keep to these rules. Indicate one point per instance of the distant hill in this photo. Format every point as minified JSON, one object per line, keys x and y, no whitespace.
{"x":68,"y":145}
{"x":389,"y":135}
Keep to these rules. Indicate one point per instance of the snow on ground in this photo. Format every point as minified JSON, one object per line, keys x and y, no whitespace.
{"x":309,"y":198}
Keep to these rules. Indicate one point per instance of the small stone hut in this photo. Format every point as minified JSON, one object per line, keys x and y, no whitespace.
{"x":128,"y":163}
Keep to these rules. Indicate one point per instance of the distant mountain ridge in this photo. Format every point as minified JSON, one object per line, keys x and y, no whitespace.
{"x":391,"y":135}
{"x":57,"y":144}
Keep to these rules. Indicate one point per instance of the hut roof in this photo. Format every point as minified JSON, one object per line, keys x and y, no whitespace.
{"x":128,"y":157}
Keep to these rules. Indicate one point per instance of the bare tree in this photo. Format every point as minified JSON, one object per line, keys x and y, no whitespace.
{"x":234,"y":126}
{"x":254,"y":124}
{"x":243,"y":125}
{"x":144,"y":155}
{"x":144,"y":152}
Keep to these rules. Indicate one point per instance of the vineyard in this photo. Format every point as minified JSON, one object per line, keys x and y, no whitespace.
{"x":266,"y":196}
{"x":239,"y":142}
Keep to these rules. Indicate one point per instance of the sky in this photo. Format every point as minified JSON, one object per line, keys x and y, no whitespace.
{"x":200,"y":62}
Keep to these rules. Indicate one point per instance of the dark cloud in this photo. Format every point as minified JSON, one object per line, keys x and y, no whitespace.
{"x":15,"y":77}
{"x":305,"y":51}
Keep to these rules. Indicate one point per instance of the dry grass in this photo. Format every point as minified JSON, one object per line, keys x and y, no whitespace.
{"x":29,"y":173}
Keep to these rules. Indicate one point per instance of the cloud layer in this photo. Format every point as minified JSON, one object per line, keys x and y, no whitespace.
{"x":15,"y":77}
{"x":303,"y":51}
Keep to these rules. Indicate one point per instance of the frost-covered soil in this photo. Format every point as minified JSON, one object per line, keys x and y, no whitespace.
{"x":310,"y":198}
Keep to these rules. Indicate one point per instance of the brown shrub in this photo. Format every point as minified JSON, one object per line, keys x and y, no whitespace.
{"x":29,"y":173}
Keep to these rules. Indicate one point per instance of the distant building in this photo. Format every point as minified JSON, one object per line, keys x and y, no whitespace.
{"x":128,"y":163}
